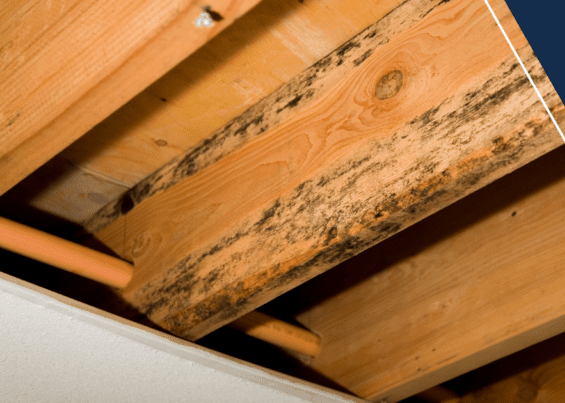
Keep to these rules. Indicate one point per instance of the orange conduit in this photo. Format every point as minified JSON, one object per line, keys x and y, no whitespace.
{"x":279,"y":333}
{"x":64,"y":254}
{"x":115,"y":272}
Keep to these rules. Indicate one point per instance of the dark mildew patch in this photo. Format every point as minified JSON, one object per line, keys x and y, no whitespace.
{"x":268,"y":214}
{"x":126,"y":204}
{"x":345,"y":49}
{"x":274,"y":109}
{"x":13,"y":119}
{"x":292,"y":103}
{"x":363,"y":57}
{"x":429,"y":11}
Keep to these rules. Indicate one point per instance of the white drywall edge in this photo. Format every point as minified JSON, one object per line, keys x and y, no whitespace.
{"x":55,"y":349}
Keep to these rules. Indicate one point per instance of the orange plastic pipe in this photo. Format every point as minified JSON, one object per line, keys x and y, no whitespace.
{"x":114,"y":272}
{"x":64,"y":254}
{"x":279,"y":333}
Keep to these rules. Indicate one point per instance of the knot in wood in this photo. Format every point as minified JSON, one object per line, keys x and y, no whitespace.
{"x":139,"y":245}
{"x":389,"y":85}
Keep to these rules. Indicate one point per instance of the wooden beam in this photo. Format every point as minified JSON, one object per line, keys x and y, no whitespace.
{"x":534,"y":375}
{"x":417,"y":111}
{"x":67,"y":66}
{"x":475,"y":282}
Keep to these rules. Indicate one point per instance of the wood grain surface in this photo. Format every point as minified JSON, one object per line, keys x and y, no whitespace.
{"x":475,"y":282}
{"x":258,"y":53}
{"x":417,"y":111}
{"x":67,"y":65}
{"x":535,"y":375}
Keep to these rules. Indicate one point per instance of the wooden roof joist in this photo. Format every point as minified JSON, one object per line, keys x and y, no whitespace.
{"x":476,"y":282}
{"x":422,"y":108}
{"x":68,"y":65}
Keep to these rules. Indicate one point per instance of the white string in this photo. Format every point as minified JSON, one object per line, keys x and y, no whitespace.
{"x":525,"y":71}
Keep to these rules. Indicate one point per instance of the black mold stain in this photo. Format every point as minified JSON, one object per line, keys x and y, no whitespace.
{"x":332,"y":234}
{"x":304,"y":198}
{"x":499,"y":96}
{"x":291,"y":104}
{"x":163,"y":99}
{"x":210,"y":279}
{"x":477,"y":104}
{"x":433,"y":8}
{"x":426,"y":118}
{"x":514,"y":67}
{"x":322,"y":64}
{"x":341,"y":53}
{"x":13,"y":119}
{"x":237,"y":297}
{"x":126,"y":204}
{"x":363,"y":57}
{"x":268,"y":214}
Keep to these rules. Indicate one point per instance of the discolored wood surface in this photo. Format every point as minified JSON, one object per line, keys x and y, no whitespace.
{"x":477,"y":281}
{"x":275,"y":198}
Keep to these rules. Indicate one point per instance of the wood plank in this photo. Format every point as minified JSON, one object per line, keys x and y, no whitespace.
{"x":534,"y":375}
{"x":61,"y":189}
{"x":257,"y":54}
{"x":473,"y":283}
{"x":67,"y":66}
{"x":261,"y":51}
{"x":332,"y":164}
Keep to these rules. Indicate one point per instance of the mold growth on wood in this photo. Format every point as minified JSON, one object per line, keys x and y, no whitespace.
{"x":13,"y":119}
{"x":273,"y":109}
{"x":453,"y":151}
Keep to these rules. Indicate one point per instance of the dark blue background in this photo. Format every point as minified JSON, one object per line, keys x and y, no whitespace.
{"x":542,"y":22}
